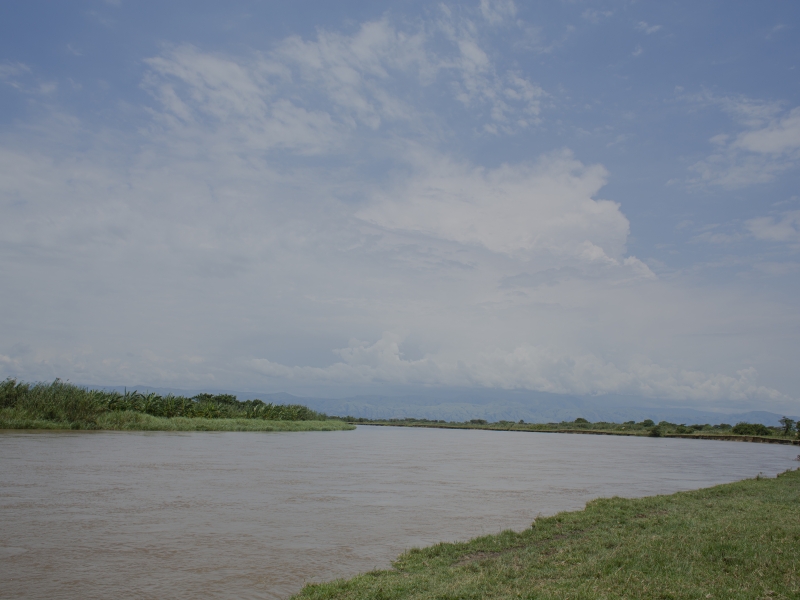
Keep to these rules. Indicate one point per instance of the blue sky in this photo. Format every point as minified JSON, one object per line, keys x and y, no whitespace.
{"x":573,"y":197}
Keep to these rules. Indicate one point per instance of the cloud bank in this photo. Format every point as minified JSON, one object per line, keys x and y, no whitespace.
{"x":300,"y":218}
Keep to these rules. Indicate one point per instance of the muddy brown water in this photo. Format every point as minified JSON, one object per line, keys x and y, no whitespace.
{"x":255,"y":515}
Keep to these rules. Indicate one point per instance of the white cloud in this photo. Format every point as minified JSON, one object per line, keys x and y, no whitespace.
{"x":785,"y":228}
{"x":775,"y":29}
{"x":360,"y":72}
{"x":780,"y":137}
{"x":527,"y":367}
{"x":644,"y":27}
{"x":545,"y":208}
{"x":267,"y":207}
{"x":355,"y":71}
{"x":747,"y":112}
{"x":777,"y":269}
{"x":21,"y":77}
{"x":236,"y":100}
{"x":717,"y":237}
{"x":345,"y":81}
{"x":768,"y":145}
{"x":514,"y":102}
{"x":9,"y":70}
{"x":594,"y":15}
{"x":498,"y":11}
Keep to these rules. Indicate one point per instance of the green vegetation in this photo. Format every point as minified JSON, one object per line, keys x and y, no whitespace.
{"x":753,"y":429}
{"x":786,"y":433}
{"x":732,"y":541}
{"x":60,"y":405}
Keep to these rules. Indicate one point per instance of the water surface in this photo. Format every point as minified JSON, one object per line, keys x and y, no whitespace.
{"x":255,"y":515}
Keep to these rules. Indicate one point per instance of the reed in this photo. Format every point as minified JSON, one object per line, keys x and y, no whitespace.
{"x":60,"y":405}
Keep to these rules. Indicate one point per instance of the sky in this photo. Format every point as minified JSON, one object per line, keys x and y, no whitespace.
{"x":586,"y":198}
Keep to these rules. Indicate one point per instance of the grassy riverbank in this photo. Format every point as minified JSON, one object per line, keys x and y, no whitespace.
{"x":133,"y":421}
{"x":740,"y":540}
{"x":742,"y":431}
{"x":60,"y":405}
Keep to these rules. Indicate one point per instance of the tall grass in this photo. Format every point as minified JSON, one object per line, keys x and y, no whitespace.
{"x":82,"y":408}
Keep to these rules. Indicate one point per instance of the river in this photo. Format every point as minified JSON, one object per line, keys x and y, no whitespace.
{"x":255,"y":515}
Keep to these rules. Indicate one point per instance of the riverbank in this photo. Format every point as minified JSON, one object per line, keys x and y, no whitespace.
{"x":61,"y":405}
{"x":664,"y":430}
{"x":738,"y":540}
{"x":134,"y":421}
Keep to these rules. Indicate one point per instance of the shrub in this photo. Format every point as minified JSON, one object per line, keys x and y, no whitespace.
{"x":751,"y":429}
{"x":648,"y":422}
{"x":580,"y":420}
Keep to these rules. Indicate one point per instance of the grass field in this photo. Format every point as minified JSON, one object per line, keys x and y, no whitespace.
{"x":737,"y":541}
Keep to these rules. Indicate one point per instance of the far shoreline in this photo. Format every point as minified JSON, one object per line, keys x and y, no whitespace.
{"x":540,"y":429}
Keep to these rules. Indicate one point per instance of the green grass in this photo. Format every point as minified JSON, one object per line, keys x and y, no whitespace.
{"x":737,"y":541}
{"x":61,"y":405}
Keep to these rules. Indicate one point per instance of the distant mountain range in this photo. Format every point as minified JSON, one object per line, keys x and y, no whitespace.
{"x":496,"y":405}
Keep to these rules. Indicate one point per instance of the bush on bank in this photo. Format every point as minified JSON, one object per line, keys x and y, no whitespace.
{"x":751,"y":429}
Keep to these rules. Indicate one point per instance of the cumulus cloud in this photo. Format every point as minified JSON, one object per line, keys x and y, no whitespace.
{"x":527,"y":367}
{"x":546,"y":207}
